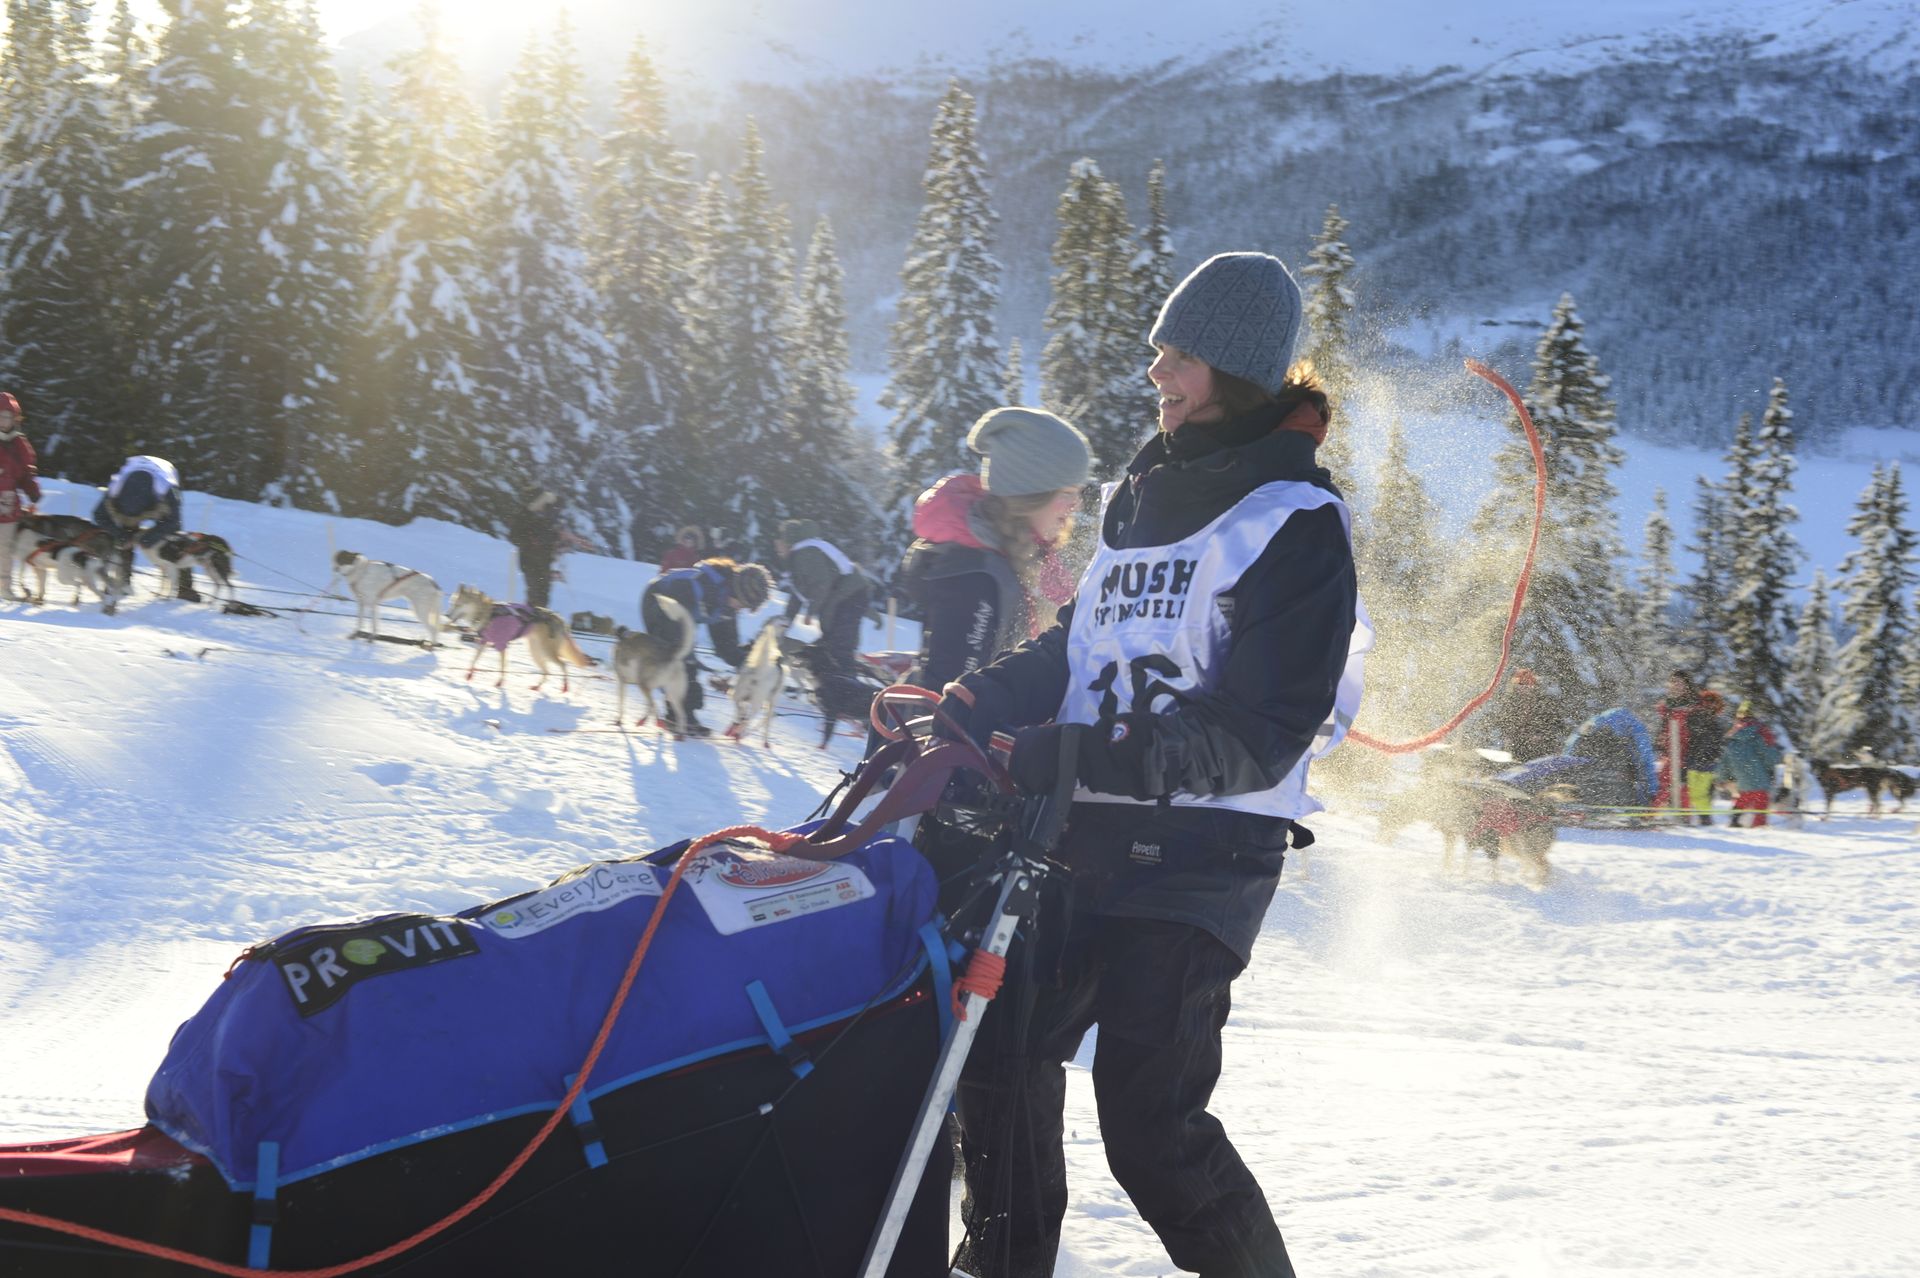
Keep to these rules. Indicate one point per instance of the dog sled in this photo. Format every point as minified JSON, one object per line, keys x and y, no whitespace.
{"x":1604,"y":776}
{"x":762,"y":1089}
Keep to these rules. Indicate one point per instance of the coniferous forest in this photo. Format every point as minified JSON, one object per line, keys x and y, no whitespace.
{"x":428,"y":306}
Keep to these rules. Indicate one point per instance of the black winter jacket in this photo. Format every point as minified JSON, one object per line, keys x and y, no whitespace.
{"x":971,"y":608}
{"x":1291,"y":618}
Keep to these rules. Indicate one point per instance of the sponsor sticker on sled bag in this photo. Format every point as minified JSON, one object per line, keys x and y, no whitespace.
{"x":743,"y":887}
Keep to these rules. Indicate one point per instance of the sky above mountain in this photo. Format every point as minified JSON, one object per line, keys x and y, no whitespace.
{"x":759,"y":39}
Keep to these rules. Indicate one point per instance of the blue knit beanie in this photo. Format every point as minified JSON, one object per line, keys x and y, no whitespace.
{"x":1239,"y":312}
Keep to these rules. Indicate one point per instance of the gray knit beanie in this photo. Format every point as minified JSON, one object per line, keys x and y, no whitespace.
{"x":1239,"y":312}
{"x":1028,"y":450}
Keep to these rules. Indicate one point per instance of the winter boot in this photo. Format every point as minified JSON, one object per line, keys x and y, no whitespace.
{"x":187,"y":592}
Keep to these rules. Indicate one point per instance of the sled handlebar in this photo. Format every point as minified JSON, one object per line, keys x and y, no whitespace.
{"x":926,"y":765}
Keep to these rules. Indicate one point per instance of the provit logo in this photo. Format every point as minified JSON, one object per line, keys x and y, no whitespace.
{"x":321,"y":965}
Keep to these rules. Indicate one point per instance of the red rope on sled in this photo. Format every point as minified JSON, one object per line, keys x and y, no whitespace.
{"x":773,"y":839}
{"x":1478,"y":369}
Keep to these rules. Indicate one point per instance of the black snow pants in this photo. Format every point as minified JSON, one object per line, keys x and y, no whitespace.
{"x":1159,"y":993}
{"x":840,"y":630}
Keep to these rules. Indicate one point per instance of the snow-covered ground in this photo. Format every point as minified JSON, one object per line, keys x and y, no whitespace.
{"x":1694,"y":1052}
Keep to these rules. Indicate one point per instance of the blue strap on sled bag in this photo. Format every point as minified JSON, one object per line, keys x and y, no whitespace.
{"x":337,"y":1043}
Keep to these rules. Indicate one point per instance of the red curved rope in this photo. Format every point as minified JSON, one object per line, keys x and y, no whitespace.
{"x":1475,"y":367}
{"x":777,"y":841}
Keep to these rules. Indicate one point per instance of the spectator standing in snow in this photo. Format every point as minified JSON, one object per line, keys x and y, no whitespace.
{"x":19,"y":483}
{"x":828,"y":585}
{"x":984,"y":566}
{"x":1207,"y":653}
{"x":688,"y":545}
{"x":1749,"y":759}
{"x":1525,"y":724}
{"x":714,"y":592}
{"x":1691,"y":727}
{"x":536,"y":535}
{"x":142,"y":503}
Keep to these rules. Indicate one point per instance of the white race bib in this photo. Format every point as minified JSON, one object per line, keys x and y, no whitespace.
{"x":1148,"y":628}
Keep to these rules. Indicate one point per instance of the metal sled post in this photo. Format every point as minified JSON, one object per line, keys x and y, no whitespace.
{"x":1020,"y":875}
{"x":1019,"y":888}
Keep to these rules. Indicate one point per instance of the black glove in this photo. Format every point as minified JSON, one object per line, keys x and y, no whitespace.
{"x":1109,"y":758}
{"x":977,"y":711}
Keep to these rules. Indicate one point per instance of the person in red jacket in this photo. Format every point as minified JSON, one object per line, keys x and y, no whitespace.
{"x":19,"y":484}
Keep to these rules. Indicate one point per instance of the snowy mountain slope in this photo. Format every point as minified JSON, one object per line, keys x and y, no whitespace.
{"x":1692,"y":1053}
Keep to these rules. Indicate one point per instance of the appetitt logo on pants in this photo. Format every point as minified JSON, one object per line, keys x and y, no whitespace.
{"x":320,"y":966}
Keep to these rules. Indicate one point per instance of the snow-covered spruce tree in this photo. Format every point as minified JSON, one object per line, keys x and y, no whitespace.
{"x":1571,"y":633}
{"x":1091,"y":369}
{"x":1862,"y":708}
{"x":433,"y":438}
{"x":830,"y":480}
{"x":551,"y":360}
{"x":944,"y":364}
{"x":1703,"y":626}
{"x":312,"y":235}
{"x":1153,"y":278}
{"x":1398,"y":566}
{"x":1329,"y":303}
{"x":643,"y":197}
{"x":1013,"y":381}
{"x":61,"y":235}
{"x":1654,"y":646}
{"x":1764,"y":558}
{"x":210,"y":364}
{"x":735,"y":315}
{"x":1811,"y":673}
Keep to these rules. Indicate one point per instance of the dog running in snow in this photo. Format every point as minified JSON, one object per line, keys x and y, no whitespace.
{"x":649,"y":661}
{"x":374,"y":581}
{"x":497,"y":625}
{"x":756,"y":689}
{"x":191,"y":550}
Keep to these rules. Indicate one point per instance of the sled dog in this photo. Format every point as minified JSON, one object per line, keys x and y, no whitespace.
{"x":839,"y":694}
{"x":649,"y":661}
{"x":91,"y":561}
{"x":203,"y":551}
{"x":36,"y":530}
{"x":374,"y":581}
{"x":1838,"y":778}
{"x":756,"y":690}
{"x":496,"y":625}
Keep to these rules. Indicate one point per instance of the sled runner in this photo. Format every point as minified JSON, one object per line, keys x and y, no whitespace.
{"x":349,"y":1084}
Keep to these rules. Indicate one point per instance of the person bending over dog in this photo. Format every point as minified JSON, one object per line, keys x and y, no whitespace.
{"x":19,"y":484}
{"x":714,"y":593}
{"x":1212,"y":650}
{"x":828,"y":585}
{"x":143,"y":504}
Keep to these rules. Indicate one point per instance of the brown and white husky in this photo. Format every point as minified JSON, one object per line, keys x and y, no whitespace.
{"x":496,"y":625}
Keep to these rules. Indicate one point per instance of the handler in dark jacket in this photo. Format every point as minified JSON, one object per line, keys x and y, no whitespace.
{"x":828,"y":585}
{"x":145,"y":491}
{"x":1213,"y":648}
{"x":985,"y":566}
